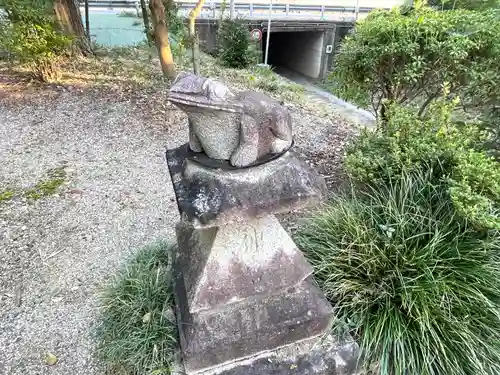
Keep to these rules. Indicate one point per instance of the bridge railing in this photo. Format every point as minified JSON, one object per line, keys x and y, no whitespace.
{"x":211,"y":9}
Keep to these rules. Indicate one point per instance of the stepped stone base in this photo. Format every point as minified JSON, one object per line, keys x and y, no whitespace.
{"x":246,"y":329}
{"x":245,"y":298}
{"x":327,"y":356}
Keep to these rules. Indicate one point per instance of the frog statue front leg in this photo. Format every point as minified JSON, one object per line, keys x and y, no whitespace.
{"x":247,"y":151}
{"x":260,"y":136}
{"x":194,"y":142}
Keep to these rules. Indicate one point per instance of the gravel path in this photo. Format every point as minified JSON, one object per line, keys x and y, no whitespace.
{"x":58,"y":252}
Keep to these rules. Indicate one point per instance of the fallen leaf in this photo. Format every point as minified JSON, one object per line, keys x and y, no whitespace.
{"x":50,"y":359}
{"x":146,"y":318}
{"x":19,"y":293}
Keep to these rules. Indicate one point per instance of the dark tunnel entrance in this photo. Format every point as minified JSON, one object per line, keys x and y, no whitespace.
{"x":297,"y":51}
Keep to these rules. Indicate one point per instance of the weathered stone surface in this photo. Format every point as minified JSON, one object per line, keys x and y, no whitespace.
{"x":241,"y":128}
{"x":247,"y":328}
{"x":230,"y":263}
{"x":328,"y":356}
{"x":242,"y":290}
{"x":213,"y":193}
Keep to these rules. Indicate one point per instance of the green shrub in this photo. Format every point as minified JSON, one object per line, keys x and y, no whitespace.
{"x":452,"y":151}
{"x":31,"y":36}
{"x":419,"y":287}
{"x":490,"y":122}
{"x":465,"y":4}
{"x":233,"y":44}
{"x":407,"y":55}
{"x":175,"y":23}
{"x":138,"y":334}
{"x":475,"y":188}
{"x":128,"y":14}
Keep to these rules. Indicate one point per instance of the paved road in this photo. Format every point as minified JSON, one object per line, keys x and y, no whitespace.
{"x":349,"y":111}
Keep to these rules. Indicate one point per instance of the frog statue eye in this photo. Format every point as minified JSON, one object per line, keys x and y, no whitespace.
{"x":219,"y":91}
{"x":215,"y":90}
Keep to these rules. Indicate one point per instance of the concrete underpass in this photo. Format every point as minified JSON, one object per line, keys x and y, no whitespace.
{"x":303,"y":47}
{"x":302,"y":52}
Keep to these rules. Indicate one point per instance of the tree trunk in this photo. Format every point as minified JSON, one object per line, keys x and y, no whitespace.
{"x":69,"y":18}
{"x":384,"y":114}
{"x":160,"y":32}
{"x":195,"y":47}
{"x":145,"y":19}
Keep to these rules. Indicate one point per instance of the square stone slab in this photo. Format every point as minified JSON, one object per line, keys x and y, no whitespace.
{"x":212,"y":193}
{"x":330,"y":355}
{"x":250,"y":327}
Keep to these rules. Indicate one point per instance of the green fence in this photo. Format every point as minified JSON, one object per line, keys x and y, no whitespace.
{"x":110,"y":29}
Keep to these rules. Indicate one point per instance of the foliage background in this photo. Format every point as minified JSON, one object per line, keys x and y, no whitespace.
{"x":407,"y":56}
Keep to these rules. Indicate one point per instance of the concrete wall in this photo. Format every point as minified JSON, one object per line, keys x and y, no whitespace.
{"x":301,"y":51}
{"x":207,"y":35}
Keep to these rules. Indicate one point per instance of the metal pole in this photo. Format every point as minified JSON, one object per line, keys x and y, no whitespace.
{"x":231,"y":9}
{"x":87,"y":21}
{"x":357,"y":9}
{"x":268,"y":30}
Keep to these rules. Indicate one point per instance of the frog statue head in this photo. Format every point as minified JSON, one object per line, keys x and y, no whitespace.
{"x":190,"y":90}
{"x":242,"y":128}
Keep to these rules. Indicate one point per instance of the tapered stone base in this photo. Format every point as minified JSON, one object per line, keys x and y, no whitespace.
{"x":242,"y":291}
{"x":227,"y":264}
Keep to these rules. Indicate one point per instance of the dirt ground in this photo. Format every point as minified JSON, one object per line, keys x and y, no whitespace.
{"x":58,"y":251}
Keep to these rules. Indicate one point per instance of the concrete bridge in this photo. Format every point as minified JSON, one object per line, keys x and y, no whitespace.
{"x":304,"y":34}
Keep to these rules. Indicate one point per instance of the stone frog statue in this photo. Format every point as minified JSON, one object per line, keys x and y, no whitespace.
{"x":242,"y":128}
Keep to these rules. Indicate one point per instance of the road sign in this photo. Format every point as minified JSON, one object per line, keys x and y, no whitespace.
{"x":256,"y":35}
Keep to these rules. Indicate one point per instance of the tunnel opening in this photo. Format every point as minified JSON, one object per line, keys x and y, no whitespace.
{"x":295,"y":52}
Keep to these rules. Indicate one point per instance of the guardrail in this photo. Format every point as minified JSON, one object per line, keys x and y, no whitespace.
{"x":212,"y":8}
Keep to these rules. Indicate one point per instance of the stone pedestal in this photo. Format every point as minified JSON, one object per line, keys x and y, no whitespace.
{"x":246,"y":300}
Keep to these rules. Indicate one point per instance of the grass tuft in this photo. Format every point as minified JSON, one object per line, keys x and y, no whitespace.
{"x":254,"y":78}
{"x":419,"y":287}
{"x":49,"y":186}
{"x":6,"y":195}
{"x":138,"y":333}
